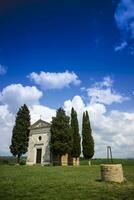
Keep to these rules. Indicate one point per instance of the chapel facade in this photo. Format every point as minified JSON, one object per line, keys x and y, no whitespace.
{"x":39,"y":139}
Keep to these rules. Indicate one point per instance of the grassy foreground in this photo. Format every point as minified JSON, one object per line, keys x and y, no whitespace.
{"x":55,"y":183}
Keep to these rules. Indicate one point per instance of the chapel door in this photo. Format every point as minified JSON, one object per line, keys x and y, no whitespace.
{"x":38,"y":156}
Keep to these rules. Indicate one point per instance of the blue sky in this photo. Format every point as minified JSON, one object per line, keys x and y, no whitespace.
{"x":85,"y":50}
{"x":56,"y":36}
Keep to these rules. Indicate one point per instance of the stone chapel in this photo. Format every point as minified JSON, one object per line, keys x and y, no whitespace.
{"x":38,"y":148}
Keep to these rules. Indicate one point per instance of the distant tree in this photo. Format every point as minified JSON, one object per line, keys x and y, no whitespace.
{"x":87,"y":139}
{"x":61,"y":135}
{"x":20,"y":133}
{"x":76,"y":147}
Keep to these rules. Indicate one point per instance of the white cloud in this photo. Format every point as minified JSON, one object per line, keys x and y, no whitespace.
{"x":78,"y":104}
{"x":103,"y":92}
{"x":82,"y":89}
{"x":121,"y":46}
{"x":112,"y":128}
{"x":115,"y":128}
{"x":6,"y":125}
{"x":12,"y":97}
{"x":15,"y":95}
{"x":43,"y":112}
{"x":124,"y":17}
{"x":2,"y":70}
{"x":106,"y":82}
{"x":105,"y":96}
{"x":48,"y":80}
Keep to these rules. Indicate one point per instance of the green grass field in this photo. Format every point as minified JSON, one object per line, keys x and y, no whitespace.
{"x":74,"y":183}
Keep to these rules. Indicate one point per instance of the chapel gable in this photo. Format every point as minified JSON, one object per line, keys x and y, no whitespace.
{"x":40,"y":124}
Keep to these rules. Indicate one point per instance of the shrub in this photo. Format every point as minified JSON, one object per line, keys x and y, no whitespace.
{"x":22,"y":162}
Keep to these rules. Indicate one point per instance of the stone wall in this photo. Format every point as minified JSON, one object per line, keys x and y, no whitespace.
{"x":76,"y":161}
{"x":64,"y":160}
{"x":112,"y":173}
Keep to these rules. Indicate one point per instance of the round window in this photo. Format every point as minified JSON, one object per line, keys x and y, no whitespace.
{"x":40,"y":138}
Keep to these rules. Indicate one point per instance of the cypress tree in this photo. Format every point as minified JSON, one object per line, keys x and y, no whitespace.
{"x":87,"y":142}
{"x":76,"y":147}
{"x":61,"y":136}
{"x":20,"y":133}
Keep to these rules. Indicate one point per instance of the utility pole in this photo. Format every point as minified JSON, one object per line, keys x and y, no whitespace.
{"x":109,"y":154}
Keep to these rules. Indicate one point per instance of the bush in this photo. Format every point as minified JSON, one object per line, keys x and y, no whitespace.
{"x":22,"y":162}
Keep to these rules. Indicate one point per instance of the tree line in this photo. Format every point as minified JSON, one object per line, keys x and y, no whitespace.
{"x":65,"y":134}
